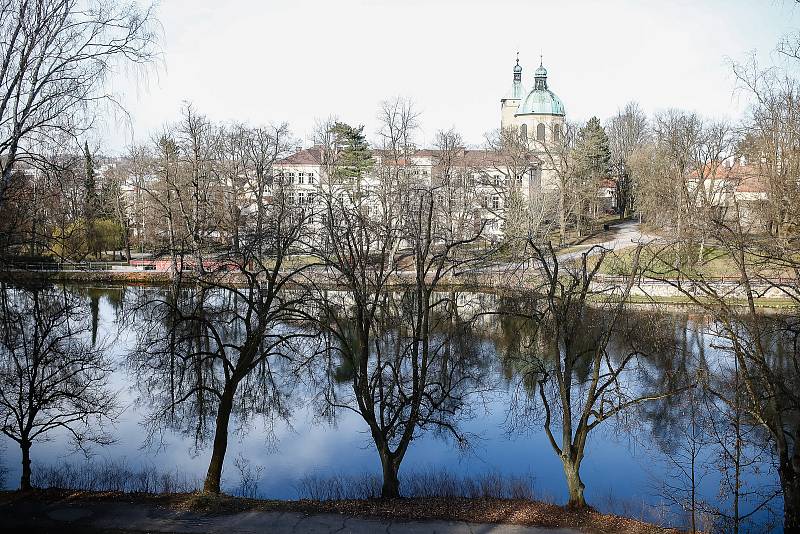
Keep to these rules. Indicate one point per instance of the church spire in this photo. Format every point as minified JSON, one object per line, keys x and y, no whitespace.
{"x":540,"y":77}
{"x":516,"y":92}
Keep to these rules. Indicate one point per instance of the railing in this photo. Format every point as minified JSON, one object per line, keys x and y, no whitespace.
{"x":63,"y":266}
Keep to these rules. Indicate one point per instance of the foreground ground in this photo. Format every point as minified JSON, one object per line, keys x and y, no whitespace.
{"x":66,"y":511}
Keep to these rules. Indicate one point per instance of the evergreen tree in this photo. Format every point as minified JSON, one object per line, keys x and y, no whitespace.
{"x":516,"y":221}
{"x":592,"y":151}
{"x":91,"y":205}
{"x":354,"y":157}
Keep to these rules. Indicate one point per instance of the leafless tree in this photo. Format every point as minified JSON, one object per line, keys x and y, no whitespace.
{"x":220,"y":342}
{"x":572,"y":380}
{"x":627,"y":132}
{"x":390,"y":334}
{"x":54,"y":60}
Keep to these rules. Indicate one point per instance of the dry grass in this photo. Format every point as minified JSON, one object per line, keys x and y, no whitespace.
{"x":482,"y":510}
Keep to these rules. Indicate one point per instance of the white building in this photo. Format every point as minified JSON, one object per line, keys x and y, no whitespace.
{"x":537,"y":115}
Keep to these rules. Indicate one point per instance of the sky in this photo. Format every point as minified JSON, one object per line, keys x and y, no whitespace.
{"x":300,"y":61}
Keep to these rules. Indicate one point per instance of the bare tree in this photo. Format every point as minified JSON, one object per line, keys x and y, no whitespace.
{"x":219,"y":343}
{"x":627,"y":132}
{"x":571,"y":379}
{"x":388,"y":334}
{"x":54,"y":60}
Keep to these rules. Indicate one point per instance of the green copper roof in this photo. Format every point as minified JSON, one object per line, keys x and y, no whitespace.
{"x":541,"y":100}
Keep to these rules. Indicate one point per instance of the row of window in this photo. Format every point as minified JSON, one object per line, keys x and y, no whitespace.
{"x":541,"y":131}
{"x":302,"y":177}
{"x":303,"y":198}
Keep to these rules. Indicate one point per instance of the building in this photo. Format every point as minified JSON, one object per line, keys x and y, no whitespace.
{"x":486,"y":178}
{"x":537,"y":116}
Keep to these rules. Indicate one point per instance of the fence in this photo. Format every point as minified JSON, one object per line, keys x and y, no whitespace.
{"x":66,"y":266}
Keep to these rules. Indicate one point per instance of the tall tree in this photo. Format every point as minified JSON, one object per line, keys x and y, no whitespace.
{"x":592,"y":150}
{"x":627,"y":132}
{"x":54,"y":60}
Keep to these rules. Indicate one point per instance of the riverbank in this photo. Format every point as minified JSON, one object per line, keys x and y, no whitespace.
{"x":646,"y":291}
{"x":77,"y":511}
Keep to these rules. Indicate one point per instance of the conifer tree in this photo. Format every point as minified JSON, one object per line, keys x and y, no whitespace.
{"x":91,"y":206}
{"x":354,"y":157}
{"x":592,"y":150}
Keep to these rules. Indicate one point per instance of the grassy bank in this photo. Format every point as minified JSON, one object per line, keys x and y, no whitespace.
{"x":475,"y":510}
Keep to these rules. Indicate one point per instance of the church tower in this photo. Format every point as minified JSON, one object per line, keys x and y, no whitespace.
{"x":540,"y":115}
{"x":510,"y":103}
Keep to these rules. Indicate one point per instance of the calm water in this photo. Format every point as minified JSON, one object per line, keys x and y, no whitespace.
{"x":623,"y":470}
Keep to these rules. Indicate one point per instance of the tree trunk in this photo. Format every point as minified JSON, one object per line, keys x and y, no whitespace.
{"x":575,"y":485}
{"x":391,"y":482}
{"x":790,"y":484}
{"x":214,"y":475}
{"x":25,"y":479}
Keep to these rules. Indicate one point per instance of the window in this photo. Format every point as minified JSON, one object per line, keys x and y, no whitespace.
{"x":300,"y":178}
{"x":290,"y":179}
{"x":556,"y":132}
{"x":311,"y":178}
{"x":523,"y":132}
{"x":310,"y":198}
{"x":495,"y":202}
{"x":301,"y":198}
{"x":290,"y":198}
{"x":540,"y":132}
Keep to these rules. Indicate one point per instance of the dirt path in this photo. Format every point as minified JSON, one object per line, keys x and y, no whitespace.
{"x":112,"y":517}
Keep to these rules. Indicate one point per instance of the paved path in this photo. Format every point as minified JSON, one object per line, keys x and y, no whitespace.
{"x":623,"y":235}
{"x":37,"y":516}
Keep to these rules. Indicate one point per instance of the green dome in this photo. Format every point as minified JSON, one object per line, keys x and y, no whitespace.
{"x":541,"y":102}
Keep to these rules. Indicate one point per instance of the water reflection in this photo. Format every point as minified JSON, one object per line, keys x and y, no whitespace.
{"x":626,"y":465}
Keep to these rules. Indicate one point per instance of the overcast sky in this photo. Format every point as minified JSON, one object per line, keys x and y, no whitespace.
{"x":296,"y":61}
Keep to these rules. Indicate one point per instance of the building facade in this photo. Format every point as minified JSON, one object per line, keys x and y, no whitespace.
{"x":487,"y":178}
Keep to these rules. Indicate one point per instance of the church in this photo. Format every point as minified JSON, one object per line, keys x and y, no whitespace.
{"x":538,"y":116}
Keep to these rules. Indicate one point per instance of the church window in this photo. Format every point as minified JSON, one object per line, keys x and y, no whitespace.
{"x":540,"y":132}
{"x":523,"y":132}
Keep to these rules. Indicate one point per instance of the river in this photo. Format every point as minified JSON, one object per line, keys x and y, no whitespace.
{"x":632,"y":466}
